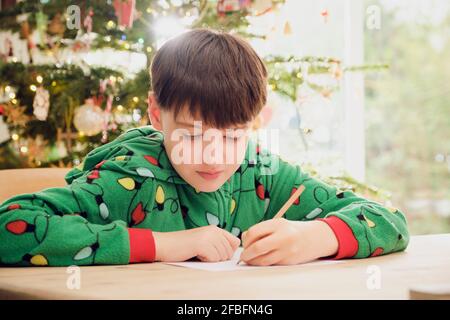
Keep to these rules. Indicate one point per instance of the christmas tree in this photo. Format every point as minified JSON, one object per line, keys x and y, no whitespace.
{"x":74,"y":74}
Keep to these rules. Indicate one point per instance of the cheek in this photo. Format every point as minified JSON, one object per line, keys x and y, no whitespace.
{"x":238,"y":158}
{"x":181,"y":152}
{"x":234,"y":152}
{"x":239,"y":150}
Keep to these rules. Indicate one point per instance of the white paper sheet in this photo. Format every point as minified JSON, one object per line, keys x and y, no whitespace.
{"x":231,"y":265}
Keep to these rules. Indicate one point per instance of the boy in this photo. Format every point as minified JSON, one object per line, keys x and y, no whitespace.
{"x":157,"y":193}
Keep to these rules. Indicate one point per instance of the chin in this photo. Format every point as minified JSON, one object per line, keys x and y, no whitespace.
{"x":211,"y":188}
{"x":208,"y":186}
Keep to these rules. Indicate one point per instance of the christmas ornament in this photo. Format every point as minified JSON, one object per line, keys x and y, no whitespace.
{"x":56,"y":26}
{"x":25,"y":33}
{"x":15,"y":115}
{"x":8,"y":4}
{"x":109,"y":100}
{"x":260,"y":7}
{"x":87,"y":23}
{"x":125,"y":11}
{"x":229,"y":6}
{"x":41,"y":26}
{"x":89,"y":118}
{"x":287,"y":30}
{"x":41,"y":103}
{"x":9,"y":48}
{"x":24,"y":30}
{"x":108,"y":109}
{"x":325,"y":15}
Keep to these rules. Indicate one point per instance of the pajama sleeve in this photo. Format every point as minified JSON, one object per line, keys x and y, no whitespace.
{"x":94,"y":220}
{"x":363,"y":228}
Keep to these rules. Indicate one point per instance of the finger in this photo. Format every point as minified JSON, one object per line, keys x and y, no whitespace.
{"x":221,"y":249}
{"x":228,"y":247}
{"x":259,"y":231}
{"x":233,"y":240}
{"x":268,"y":259}
{"x":260,"y":247}
{"x":210,"y":254}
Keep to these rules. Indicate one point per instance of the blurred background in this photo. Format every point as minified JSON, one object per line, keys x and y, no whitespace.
{"x":357,"y":89}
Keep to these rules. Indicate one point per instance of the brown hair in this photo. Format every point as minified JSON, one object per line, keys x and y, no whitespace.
{"x":216,"y":75}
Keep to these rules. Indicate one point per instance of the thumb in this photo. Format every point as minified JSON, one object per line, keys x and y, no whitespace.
{"x":243,"y":236}
{"x":232,"y":239}
{"x":236,"y":243}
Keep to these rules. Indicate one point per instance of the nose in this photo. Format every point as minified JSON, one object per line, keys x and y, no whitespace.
{"x":213,"y":153}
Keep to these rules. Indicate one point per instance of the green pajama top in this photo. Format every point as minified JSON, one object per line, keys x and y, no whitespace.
{"x":126,"y":189}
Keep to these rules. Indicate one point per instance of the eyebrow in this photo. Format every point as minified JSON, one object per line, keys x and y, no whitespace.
{"x":191,"y":125}
{"x":185,"y":124}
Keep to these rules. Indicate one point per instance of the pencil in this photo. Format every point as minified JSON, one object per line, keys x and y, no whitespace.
{"x":287,"y":205}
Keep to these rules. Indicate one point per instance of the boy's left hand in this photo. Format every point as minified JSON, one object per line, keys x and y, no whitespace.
{"x":285,"y":242}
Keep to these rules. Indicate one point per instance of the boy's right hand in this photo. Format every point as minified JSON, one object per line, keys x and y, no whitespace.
{"x":209,"y":244}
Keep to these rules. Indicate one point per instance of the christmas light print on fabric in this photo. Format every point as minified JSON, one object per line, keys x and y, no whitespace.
{"x":38,"y":228}
{"x":130,"y":184}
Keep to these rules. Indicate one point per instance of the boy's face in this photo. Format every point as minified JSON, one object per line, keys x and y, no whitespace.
{"x":205,"y":157}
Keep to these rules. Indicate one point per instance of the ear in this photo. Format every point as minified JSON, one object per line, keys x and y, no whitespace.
{"x":154,"y":111}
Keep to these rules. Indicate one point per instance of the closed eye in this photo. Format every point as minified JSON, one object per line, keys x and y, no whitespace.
{"x":192,"y":137}
{"x":230,"y":138}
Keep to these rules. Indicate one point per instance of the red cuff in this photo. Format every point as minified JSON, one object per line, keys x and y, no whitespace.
{"x":348,"y":245}
{"x":142,"y":245}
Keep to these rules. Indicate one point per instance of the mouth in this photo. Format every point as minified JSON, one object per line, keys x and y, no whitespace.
{"x":209,"y":175}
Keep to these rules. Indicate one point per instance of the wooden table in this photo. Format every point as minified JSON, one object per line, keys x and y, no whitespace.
{"x":426,"y":262}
